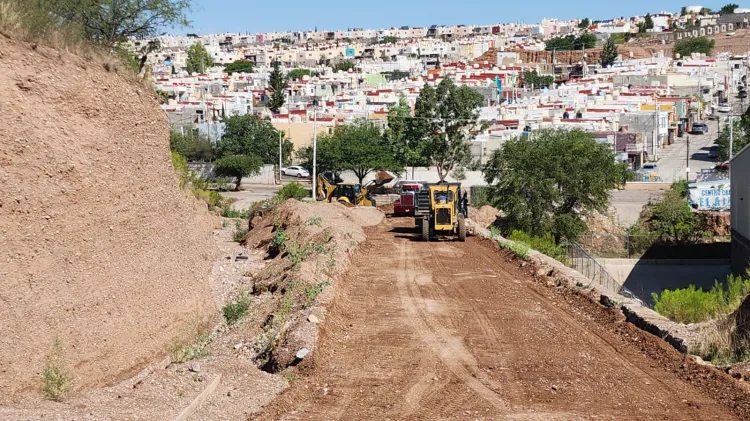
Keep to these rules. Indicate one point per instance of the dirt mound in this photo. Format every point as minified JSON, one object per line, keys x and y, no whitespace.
{"x":101,"y":250}
{"x":484,"y":216}
{"x":309,"y":246}
{"x":715,"y":223}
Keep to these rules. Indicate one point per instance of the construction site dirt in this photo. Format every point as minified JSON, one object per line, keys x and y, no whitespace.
{"x":451,"y":330}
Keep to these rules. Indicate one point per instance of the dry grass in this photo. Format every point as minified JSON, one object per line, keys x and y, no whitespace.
{"x":10,"y":19}
{"x":721,"y":343}
{"x":193,"y":343}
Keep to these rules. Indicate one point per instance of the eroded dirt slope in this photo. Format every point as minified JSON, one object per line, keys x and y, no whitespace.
{"x":99,"y":247}
{"x":454,"y":330}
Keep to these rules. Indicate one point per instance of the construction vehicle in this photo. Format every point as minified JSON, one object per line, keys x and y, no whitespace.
{"x":441,"y":210}
{"x":348,"y":193}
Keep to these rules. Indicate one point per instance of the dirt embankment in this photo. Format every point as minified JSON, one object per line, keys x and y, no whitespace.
{"x":101,"y":250}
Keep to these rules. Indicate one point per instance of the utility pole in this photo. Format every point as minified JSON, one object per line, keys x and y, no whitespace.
{"x":315,"y":152}
{"x":687,"y":161}
{"x":281,"y":181}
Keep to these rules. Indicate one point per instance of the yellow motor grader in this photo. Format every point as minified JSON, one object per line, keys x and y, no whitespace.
{"x":349,"y":193}
{"x":441,"y":210}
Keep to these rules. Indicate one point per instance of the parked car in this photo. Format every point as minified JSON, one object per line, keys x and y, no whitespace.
{"x":724,"y":108}
{"x":713,"y":151}
{"x":699,"y":128}
{"x":295,"y":171}
{"x":647,"y":168}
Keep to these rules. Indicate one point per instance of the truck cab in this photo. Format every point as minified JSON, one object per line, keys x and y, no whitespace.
{"x":406,"y":202}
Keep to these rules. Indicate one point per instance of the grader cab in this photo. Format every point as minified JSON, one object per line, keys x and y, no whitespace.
{"x":441,"y":211}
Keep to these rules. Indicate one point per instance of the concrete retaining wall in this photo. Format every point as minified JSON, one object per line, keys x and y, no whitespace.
{"x":206,"y":170}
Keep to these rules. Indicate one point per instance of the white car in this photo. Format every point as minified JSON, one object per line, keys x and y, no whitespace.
{"x":295,"y":171}
{"x":724,"y":108}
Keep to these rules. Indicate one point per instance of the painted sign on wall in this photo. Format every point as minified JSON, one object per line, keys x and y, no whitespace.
{"x":350,"y":52}
{"x":710,"y":197}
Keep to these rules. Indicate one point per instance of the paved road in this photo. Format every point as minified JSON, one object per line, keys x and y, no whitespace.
{"x":672,"y":159}
{"x":450,"y":330}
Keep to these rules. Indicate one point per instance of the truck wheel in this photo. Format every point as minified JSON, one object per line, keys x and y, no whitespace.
{"x":425,"y":230}
{"x":461,"y":228}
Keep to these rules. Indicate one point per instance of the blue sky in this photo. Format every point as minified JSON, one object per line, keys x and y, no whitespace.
{"x":214,"y":16}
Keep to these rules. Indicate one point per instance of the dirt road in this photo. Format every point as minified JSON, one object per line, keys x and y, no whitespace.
{"x":453,"y":330}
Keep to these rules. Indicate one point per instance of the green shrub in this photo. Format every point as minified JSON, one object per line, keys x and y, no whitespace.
{"x":519,"y":249}
{"x":293,"y":190}
{"x":227,"y":211}
{"x":179,"y":163}
{"x":694,"y":305}
{"x":240,"y":231}
{"x":480,"y":196}
{"x":236,"y":310}
{"x":56,"y":380}
{"x":278,"y":242}
{"x":545,"y":245}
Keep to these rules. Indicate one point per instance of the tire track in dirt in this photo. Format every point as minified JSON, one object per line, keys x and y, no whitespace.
{"x":449,"y":348}
{"x":593,"y":336}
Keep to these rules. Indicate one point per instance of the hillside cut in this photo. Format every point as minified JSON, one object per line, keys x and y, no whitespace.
{"x":100,"y":250}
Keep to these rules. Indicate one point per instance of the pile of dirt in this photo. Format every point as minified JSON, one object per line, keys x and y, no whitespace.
{"x":101,"y":250}
{"x":307,"y":245}
{"x":717,"y":224}
{"x":484,"y":216}
{"x":605,"y":223}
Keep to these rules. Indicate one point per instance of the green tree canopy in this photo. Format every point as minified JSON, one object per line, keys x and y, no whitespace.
{"x":571,"y":42}
{"x":532,"y":78}
{"x":251,"y":135}
{"x":276,"y":85}
{"x":445,"y":121}
{"x":673,"y":219}
{"x":648,"y":21}
{"x":238,"y":166}
{"x":728,"y":9}
{"x":357,"y":147}
{"x":408,"y":149}
{"x":192,"y":146}
{"x":198,"y":59}
{"x":585,"y":23}
{"x":344,"y":66}
{"x":547,"y":182}
{"x":389,"y":39}
{"x":107,"y":22}
{"x":239,"y":66}
{"x":396,"y":75}
{"x":609,"y":53}
{"x":689,"y":46}
{"x":739,"y":134}
{"x":297,"y":74}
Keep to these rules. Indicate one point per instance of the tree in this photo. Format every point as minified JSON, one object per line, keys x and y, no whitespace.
{"x":344,"y":66}
{"x":648,"y":21}
{"x":198,"y":59}
{"x":547,"y":182}
{"x":586,"y":40}
{"x":389,"y":39}
{"x":689,"y":46}
{"x":276,"y":84}
{"x":706,"y":11}
{"x":533,"y":79}
{"x":739,"y":138}
{"x":609,"y":53}
{"x":408,"y":150}
{"x":251,"y":135}
{"x":585,"y":23}
{"x":446,"y":120}
{"x":192,"y":146}
{"x":363,"y":150}
{"x":239,"y":66}
{"x":112,"y":22}
{"x":396,"y":75}
{"x":297,"y":74}
{"x":728,"y":9}
{"x":673,"y":219}
{"x":238,"y":166}
{"x":329,"y":155}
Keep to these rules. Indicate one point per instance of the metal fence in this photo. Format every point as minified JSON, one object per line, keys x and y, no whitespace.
{"x":617,"y":245}
{"x":579,"y":259}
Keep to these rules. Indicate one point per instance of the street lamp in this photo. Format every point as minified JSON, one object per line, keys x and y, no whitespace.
{"x":315,"y":149}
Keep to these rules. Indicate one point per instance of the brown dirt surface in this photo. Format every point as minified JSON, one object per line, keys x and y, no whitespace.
{"x":484,"y":216}
{"x":450,"y":330}
{"x":100,"y":248}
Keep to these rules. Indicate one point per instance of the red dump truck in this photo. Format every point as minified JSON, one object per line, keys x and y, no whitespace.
{"x":406,"y":201}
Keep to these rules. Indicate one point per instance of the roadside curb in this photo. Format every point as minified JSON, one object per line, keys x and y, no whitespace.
{"x":676,"y":334}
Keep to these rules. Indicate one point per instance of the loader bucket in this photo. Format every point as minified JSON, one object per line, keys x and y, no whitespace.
{"x":382,"y":177}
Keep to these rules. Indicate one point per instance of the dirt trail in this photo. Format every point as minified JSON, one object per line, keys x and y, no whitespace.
{"x":453,"y":330}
